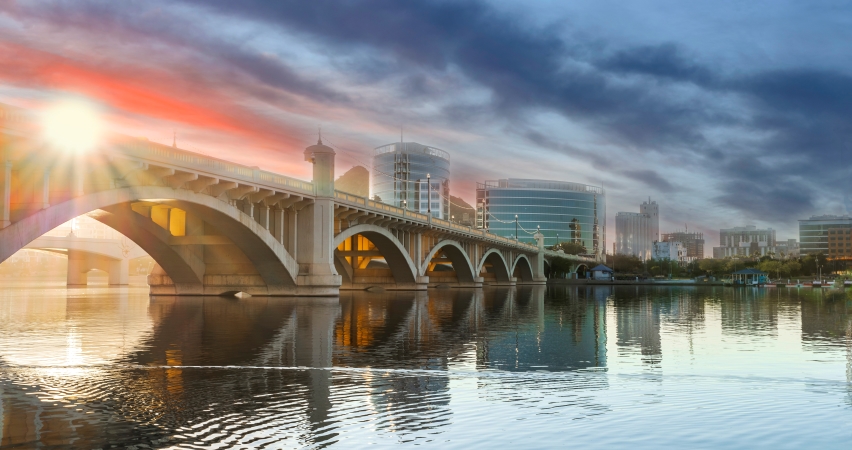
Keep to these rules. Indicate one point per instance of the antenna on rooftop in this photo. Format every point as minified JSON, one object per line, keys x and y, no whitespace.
{"x":319,"y":135}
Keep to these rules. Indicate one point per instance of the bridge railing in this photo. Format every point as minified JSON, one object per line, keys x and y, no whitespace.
{"x":158,"y":153}
{"x":424,"y":219}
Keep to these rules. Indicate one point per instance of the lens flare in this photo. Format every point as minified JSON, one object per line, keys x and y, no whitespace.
{"x":72,"y":125}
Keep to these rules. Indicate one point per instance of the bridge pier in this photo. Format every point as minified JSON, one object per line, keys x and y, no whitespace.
{"x":80,"y":263}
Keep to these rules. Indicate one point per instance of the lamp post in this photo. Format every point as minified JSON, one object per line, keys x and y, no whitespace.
{"x":429,"y":194}
{"x":516,"y":227}
{"x":557,"y":239}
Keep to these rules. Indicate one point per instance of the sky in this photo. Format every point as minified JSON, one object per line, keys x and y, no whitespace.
{"x":727,"y":113}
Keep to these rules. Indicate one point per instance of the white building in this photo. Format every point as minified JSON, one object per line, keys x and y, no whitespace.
{"x":745,"y":242}
{"x":635,"y":233}
{"x":674,"y":251}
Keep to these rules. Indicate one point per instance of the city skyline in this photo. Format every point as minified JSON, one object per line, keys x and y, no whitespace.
{"x":725,"y":132}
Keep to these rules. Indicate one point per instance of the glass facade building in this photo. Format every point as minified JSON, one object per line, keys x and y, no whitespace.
{"x":813,"y":232}
{"x":573,"y":212}
{"x":399,"y":177}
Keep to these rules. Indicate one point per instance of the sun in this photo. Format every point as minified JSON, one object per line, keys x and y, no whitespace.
{"x":72,"y":125}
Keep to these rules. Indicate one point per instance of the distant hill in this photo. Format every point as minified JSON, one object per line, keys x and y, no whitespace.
{"x":458,"y":209}
{"x":355,"y":181}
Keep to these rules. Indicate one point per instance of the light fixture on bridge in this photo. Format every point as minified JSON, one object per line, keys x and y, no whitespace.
{"x":72,"y":125}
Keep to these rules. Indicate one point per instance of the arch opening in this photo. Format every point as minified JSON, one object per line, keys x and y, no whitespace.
{"x":582,"y":271}
{"x":369,"y":256}
{"x":493,"y":268}
{"x":523,"y":269}
{"x":190,"y":267}
{"x":448,"y":264}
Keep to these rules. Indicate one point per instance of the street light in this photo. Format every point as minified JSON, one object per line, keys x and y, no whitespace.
{"x":516,"y":227}
{"x":429,"y":194}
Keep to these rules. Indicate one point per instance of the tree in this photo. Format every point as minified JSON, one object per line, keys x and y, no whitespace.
{"x":570,"y":248}
{"x":624,"y":263}
{"x":771,"y":267}
{"x":712,"y":266}
{"x":791,"y":268}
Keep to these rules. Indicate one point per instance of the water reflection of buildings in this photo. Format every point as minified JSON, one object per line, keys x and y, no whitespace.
{"x":412,"y":333}
{"x":749,"y":310}
{"x":637,"y":313}
{"x":827,"y":323}
{"x":566,"y":332}
{"x":296,"y":371}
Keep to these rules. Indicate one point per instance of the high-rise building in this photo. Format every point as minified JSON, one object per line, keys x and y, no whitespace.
{"x":692,"y":242}
{"x":745,"y":242}
{"x":635,"y":233}
{"x":652,"y":210}
{"x":813,"y":232}
{"x":400,"y":173}
{"x":566,"y":212}
{"x":840,"y":244}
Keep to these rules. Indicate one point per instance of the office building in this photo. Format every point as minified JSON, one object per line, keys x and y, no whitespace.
{"x":745,"y":241}
{"x":635,"y":233}
{"x":813,"y":232}
{"x":840,"y":244}
{"x":569,"y":212}
{"x":400,"y":173}
{"x":692,"y":242}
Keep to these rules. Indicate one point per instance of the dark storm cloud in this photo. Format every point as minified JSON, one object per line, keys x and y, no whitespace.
{"x":770,"y":202}
{"x":650,"y":179}
{"x":665,"y":61}
{"x":526,"y":68}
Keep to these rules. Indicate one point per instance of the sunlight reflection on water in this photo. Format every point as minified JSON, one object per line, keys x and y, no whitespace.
{"x":627,"y":367}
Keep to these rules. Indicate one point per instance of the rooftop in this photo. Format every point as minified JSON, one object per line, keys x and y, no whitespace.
{"x":522,"y":183}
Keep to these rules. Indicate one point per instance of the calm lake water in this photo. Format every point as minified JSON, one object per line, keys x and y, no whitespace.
{"x":588,"y":367}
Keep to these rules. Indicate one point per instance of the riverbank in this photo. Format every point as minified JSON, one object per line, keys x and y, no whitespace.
{"x":582,"y":281}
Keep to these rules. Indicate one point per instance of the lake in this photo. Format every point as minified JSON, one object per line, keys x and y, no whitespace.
{"x":531,"y":367}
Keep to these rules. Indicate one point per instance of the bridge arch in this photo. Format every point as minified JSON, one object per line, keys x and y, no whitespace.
{"x":582,"y":270}
{"x":457,"y":256}
{"x":275,"y":266}
{"x":399,"y":262}
{"x":522,"y":268}
{"x":498,"y":263}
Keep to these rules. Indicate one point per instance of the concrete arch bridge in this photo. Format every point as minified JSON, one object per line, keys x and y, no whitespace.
{"x":215,"y":227}
{"x":112,"y":256}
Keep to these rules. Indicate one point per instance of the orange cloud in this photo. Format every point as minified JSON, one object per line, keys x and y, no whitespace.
{"x":146,"y":92}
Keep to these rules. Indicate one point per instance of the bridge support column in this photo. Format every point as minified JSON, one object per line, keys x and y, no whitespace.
{"x":80,"y":263}
{"x":315,"y":235}
{"x":538,"y":260}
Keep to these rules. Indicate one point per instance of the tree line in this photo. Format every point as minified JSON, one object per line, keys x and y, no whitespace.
{"x":806,"y":265}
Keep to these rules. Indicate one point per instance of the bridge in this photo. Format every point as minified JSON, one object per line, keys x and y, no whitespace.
{"x":215,"y":227}
{"x":85,"y":254}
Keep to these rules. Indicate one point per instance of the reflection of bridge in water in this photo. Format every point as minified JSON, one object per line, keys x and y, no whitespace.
{"x":244,"y":347}
{"x":112,"y":256}
{"x":216,"y":227}
{"x":294,"y":365}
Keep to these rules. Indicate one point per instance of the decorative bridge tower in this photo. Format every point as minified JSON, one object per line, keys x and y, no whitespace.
{"x":315,"y":253}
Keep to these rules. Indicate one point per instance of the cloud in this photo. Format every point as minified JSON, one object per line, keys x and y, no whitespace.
{"x":649,"y":178}
{"x":773,"y":136}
